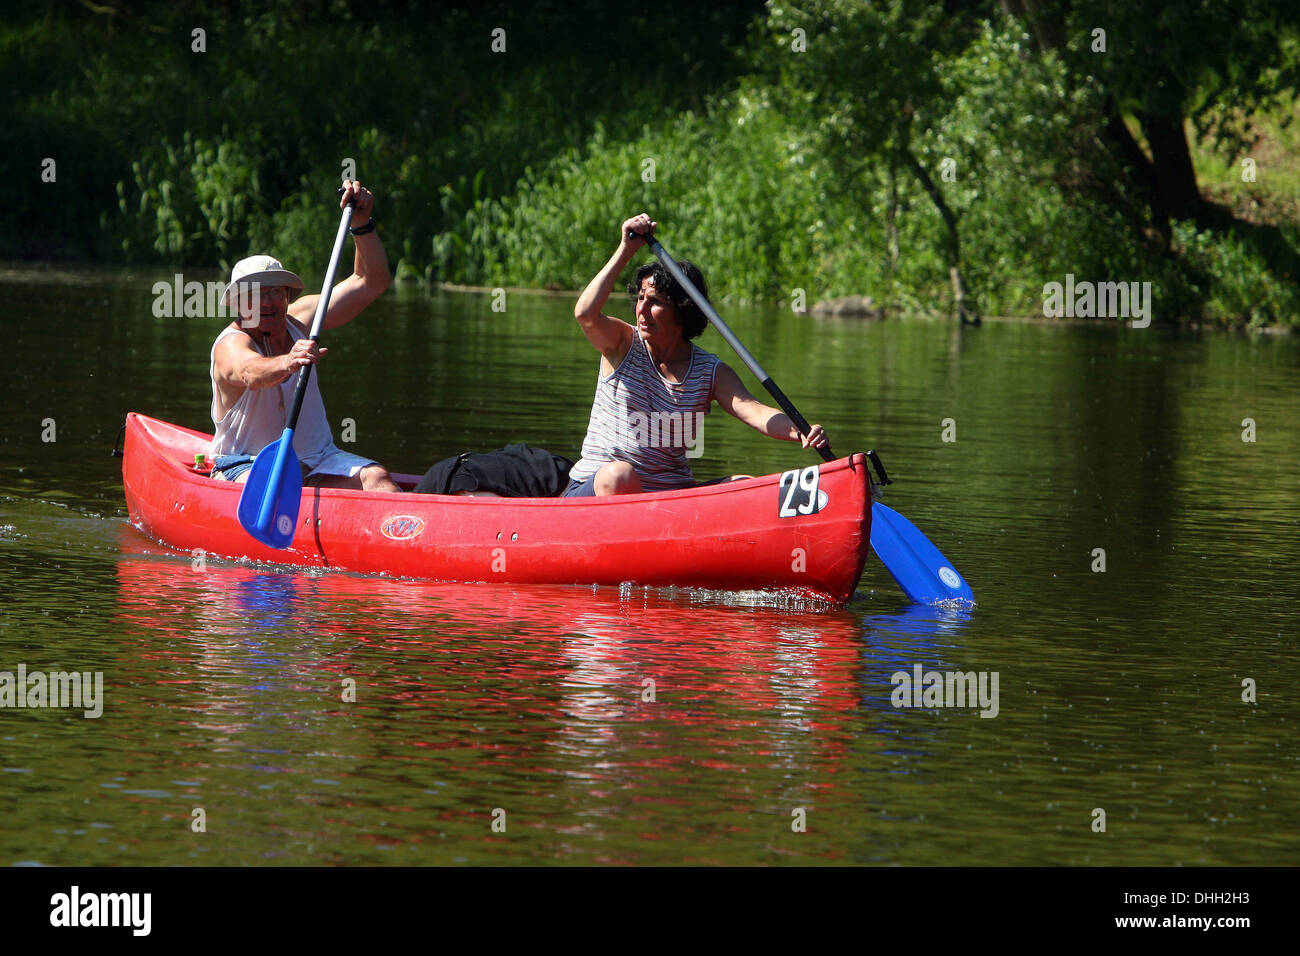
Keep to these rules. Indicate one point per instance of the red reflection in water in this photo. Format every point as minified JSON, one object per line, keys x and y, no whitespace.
{"x":551,"y":671}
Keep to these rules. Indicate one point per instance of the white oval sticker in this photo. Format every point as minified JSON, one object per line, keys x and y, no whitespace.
{"x":284,"y":523}
{"x":949,"y":577}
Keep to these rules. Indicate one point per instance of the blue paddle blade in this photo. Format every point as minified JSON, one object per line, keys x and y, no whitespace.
{"x":268,"y":506}
{"x":920,"y":569}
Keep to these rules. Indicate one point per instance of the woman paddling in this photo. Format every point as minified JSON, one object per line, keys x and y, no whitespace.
{"x":655,"y":386}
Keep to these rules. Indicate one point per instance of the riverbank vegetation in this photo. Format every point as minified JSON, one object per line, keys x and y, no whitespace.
{"x":950,"y":158}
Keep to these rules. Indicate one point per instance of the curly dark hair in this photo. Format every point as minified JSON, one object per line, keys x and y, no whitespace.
{"x":693,"y":320}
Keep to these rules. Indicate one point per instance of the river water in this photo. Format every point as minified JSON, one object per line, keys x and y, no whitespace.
{"x":496,"y":724}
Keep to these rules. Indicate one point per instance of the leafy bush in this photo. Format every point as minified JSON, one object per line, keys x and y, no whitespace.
{"x":1237,"y":285}
{"x":190,"y":204}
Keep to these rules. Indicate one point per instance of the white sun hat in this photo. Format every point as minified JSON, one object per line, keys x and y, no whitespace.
{"x":263,"y":270}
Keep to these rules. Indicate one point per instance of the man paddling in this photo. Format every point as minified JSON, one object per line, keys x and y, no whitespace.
{"x":651,"y":372}
{"x":255,"y":361}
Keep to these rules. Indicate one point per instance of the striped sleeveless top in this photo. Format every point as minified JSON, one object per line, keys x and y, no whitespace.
{"x":653,"y":424}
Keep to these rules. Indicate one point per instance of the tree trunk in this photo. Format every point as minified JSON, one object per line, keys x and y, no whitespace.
{"x":964,"y":305}
{"x":1125,"y":149}
{"x":1175,"y":174}
{"x":891,"y":219}
{"x":1047,"y":22}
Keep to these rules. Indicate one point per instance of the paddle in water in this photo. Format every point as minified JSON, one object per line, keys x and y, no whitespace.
{"x":920,"y":569}
{"x":268,"y":506}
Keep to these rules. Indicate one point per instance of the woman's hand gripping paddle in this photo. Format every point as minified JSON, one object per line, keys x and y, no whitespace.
{"x":920,"y":569}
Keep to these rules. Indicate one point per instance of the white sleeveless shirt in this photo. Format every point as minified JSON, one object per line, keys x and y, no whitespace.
{"x":258,"y":417}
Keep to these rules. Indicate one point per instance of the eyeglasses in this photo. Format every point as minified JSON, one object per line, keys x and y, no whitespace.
{"x":252,"y":292}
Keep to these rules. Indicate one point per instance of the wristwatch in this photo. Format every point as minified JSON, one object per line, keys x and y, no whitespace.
{"x":362,"y":230}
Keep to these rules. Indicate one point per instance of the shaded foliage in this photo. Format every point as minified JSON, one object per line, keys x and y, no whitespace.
{"x":909,"y":141}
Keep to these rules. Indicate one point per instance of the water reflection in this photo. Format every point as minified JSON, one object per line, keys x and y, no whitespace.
{"x":916,"y":632}
{"x":606,"y":684}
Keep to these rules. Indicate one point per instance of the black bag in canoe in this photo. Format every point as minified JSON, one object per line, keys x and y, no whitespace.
{"x":516,"y":471}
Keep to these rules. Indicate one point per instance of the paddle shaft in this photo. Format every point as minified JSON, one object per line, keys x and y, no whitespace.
{"x":920,"y":569}
{"x":322,"y":305}
{"x":283,"y":449}
{"x":773,"y":389}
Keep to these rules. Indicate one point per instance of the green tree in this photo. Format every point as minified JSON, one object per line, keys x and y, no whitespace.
{"x":872,"y":76}
{"x":1208,"y":63}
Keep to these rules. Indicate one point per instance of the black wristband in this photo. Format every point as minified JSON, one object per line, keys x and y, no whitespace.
{"x":362,"y":230}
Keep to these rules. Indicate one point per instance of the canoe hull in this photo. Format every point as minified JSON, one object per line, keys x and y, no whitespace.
{"x":746,"y":535}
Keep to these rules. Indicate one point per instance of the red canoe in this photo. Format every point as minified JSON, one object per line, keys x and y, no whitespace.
{"x":805,"y":531}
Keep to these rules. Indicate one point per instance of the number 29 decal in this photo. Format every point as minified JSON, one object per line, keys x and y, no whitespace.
{"x":798,"y":494}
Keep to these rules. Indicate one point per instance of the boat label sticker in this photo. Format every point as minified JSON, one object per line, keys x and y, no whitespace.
{"x":798,"y":494}
{"x":402,"y":527}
